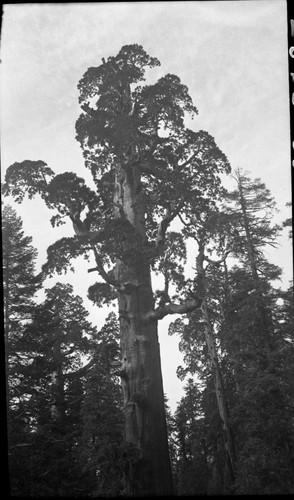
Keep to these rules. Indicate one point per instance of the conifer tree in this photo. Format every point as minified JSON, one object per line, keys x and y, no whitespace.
{"x":63,"y":400}
{"x":54,"y":343}
{"x":19,"y":285}
{"x":251,"y":339}
{"x":193,"y":469}
{"x":101,"y":453}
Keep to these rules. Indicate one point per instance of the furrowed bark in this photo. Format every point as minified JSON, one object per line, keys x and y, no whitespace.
{"x":145,"y":424}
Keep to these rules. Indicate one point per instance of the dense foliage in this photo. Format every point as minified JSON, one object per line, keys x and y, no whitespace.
{"x":64,"y":413}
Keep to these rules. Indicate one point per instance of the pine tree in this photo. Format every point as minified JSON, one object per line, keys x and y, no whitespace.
{"x":251,"y":337}
{"x":19,"y":287}
{"x":76,"y":417}
{"x":260,"y":411}
{"x":101,"y":453}
{"x":193,"y":469}
{"x":50,"y":398}
{"x":172,"y":444}
{"x":255,"y":207}
{"x":58,"y":337}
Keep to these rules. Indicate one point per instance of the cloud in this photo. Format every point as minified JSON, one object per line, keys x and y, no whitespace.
{"x":241,"y":14}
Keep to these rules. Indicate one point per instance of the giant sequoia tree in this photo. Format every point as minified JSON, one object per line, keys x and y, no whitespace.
{"x":148,"y":168}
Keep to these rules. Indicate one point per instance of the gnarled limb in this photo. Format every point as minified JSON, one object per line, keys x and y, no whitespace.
{"x":171,"y":308}
{"x":125,"y":287}
{"x":99,"y":267}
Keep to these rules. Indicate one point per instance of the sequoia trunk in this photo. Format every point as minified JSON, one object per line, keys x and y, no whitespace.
{"x":145,"y":423}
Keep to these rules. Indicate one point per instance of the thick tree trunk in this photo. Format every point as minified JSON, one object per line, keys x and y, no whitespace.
{"x":145,"y":423}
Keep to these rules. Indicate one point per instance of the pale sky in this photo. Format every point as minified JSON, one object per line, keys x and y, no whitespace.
{"x":232,"y":55}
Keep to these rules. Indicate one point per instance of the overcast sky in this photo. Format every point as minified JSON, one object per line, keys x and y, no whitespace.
{"x":232,"y":55}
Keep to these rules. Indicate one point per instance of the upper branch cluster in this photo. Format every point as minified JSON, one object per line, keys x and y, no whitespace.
{"x":135,"y":132}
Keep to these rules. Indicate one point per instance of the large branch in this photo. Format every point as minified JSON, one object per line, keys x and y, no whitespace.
{"x":108,"y":278}
{"x":125,"y":287}
{"x":90,"y":111}
{"x":162,"y":311}
{"x":155,"y":167}
{"x":163,"y":225}
{"x":80,"y":229}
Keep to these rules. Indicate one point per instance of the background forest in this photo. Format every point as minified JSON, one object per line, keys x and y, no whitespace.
{"x":232,"y":431}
